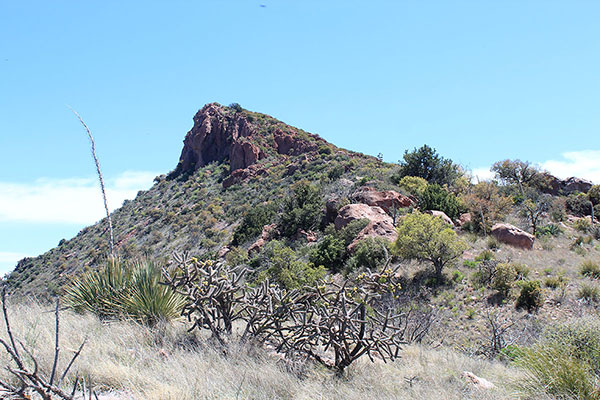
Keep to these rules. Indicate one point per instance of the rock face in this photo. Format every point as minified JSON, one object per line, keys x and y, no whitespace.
{"x":442,"y":215}
{"x":572,"y":185}
{"x":216,"y":137}
{"x":380,"y":223}
{"x":513,"y":236}
{"x":290,"y":145}
{"x":555,"y":186}
{"x":387,"y":199}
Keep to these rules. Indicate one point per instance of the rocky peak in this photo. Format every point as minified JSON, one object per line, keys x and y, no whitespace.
{"x":219,"y":134}
{"x":222,"y":133}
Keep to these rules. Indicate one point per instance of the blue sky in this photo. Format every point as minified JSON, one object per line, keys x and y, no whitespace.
{"x":478,"y":80}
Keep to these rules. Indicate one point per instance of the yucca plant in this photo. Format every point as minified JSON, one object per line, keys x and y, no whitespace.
{"x":147,"y":300}
{"x":123,"y":290}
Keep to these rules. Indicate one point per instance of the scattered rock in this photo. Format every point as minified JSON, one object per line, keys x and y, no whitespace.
{"x":387,"y":199}
{"x":478,"y":382}
{"x":442,"y":215}
{"x":513,"y":236}
{"x":268,"y":232}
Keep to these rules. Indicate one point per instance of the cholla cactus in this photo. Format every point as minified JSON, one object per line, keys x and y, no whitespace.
{"x":214,"y":293}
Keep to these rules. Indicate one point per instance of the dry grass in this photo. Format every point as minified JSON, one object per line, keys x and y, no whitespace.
{"x":168,"y":363}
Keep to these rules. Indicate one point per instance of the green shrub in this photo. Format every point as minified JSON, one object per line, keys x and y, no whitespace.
{"x":565,"y":363}
{"x":124,"y":290}
{"x":330,"y":252}
{"x":282,"y":265}
{"x":485,"y":255}
{"x":579,"y":204}
{"x":548,"y":230}
{"x":368,"y":253}
{"x":522,"y":271}
{"x":302,"y":209}
{"x":492,"y":243}
{"x":590,"y":269}
{"x":324,"y":149}
{"x":413,"y":185}
{"x":531,"y":297}
{"x":427,"y":164}
{"x":504,"y":278}
{"x":588,"y":292}
{"x":435,"y":197}
{"x":555,"y":282}
{"x":582,"y":225}
{"x":253,"y":222}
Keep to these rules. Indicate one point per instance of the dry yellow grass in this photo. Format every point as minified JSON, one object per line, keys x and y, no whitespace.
{"x":138,"y":363}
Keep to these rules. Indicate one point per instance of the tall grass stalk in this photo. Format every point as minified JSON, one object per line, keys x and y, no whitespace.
{"x":111,"y":242}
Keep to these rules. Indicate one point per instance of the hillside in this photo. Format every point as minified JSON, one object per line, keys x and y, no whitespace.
{"x":232,"y":160}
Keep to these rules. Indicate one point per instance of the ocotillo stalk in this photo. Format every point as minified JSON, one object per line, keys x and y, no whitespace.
{"x":93,"y":148}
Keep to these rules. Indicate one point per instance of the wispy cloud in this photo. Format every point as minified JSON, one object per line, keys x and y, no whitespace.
{"x":76,"y":200}
{"x":582,"y":164}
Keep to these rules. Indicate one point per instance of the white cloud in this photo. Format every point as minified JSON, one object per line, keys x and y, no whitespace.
{"x":582,"y":164}
{"x":482,"y":174}
{"x":76,"y":200}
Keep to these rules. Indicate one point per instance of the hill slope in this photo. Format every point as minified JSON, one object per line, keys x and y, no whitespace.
{"x":232,"y":160}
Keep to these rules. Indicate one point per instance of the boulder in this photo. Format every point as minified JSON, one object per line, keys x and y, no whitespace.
{"x":464,"y":219}
{"x":513,"y":236}
{"x":480,"y":383}
{"x":442,"y":215}
{"x":352,"y":212}
{"x":386,"y":199}
{"x":382,"y":229}
{"x":380,"y":223}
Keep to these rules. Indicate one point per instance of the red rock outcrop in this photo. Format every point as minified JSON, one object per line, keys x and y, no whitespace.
{"x":513,"y":236}
{"x":387,"y":199}
{"x":573,"y":185}
{"x":290,"y":144}
{"x":216,"y":137}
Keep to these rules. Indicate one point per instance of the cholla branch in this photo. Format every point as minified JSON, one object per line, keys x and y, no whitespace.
{"x":93,"y":148}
